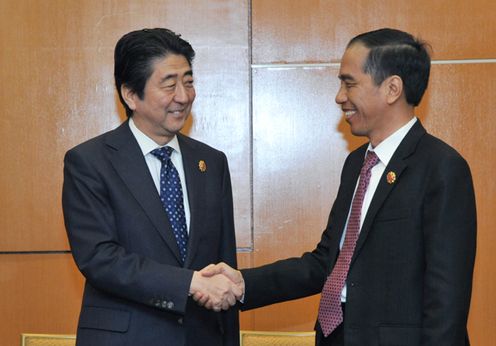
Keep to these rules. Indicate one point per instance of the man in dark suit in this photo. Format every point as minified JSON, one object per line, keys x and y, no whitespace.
{"x":395,"y":263}
{"x":146,"y":208}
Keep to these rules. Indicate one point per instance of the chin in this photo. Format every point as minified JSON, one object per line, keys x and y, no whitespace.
{"x":358,"y":132}
{"x":176,"y":127}
{"x":173,"y":132}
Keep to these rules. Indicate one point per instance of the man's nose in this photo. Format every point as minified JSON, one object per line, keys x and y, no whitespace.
{"x":181,"y":95}
{"x":341,"y":96}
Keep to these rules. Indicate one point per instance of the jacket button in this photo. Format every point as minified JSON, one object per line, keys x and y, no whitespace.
{"x":180,"y":320}
{"x":170,"y":305}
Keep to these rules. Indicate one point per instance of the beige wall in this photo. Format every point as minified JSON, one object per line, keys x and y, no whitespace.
{"x":266,"y":100}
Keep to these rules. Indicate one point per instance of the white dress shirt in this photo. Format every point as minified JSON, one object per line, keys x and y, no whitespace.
{"x":384,"y":151}
{"x":147,"y":145}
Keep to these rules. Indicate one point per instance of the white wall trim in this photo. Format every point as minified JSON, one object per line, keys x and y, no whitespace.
{"x":288,"y":66}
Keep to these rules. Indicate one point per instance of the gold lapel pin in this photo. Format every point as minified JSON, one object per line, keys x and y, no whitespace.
{"x":391,"y":177}
{"x":202,"y":166}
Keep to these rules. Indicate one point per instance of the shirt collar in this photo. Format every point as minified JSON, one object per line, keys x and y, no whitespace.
{"x":147,"y":144}
{"x":387,"y":147}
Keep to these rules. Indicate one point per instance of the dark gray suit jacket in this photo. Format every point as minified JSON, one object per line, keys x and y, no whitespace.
{"x":136,"y":290}
{"x":410,"y":278}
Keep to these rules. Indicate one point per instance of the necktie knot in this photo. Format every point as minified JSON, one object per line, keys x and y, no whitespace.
{"x":163,"y":153}
{"x":371,"y":159}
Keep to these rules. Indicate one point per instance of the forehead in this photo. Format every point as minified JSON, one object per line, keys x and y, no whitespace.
{"x":171,"y":64}
{"x":353,"y":60}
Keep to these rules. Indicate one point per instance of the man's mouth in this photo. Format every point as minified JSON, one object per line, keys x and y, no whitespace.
{"x":177,"y":112}
{"x":349,"y":113}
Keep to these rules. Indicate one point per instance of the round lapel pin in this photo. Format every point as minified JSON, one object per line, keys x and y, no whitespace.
{"x":391,"y":177}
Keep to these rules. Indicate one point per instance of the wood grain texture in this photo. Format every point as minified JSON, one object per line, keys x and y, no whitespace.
{"x":298,"y":150}
{"x":56,"y":63}
{"x":59,"y":66}
{"x":42,"y":294}
{"x":318,"y":31}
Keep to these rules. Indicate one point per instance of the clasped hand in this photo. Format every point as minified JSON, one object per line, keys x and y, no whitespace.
{"x":217,"y":287}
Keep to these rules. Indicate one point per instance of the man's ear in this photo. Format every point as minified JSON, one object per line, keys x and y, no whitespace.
{"x":394,"y":88}
{"x":129,"y":97}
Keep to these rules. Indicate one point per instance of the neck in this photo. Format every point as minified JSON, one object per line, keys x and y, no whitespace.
{"x":390,"y":128}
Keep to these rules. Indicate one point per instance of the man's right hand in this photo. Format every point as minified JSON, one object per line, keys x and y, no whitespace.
{"x":228,"y":286}
{"x":215,"y":291}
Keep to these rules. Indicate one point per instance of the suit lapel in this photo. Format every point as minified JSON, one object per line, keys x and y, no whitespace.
{"x":397,"y":164}
{"x":196,"y":192}
{"x":130,"y":165}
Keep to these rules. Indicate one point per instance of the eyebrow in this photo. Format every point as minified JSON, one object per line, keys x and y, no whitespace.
{"x":346,"y":77}
{"x":175,"y":75}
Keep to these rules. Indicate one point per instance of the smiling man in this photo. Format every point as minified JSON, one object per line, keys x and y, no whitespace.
{"x":394,"y":265}
{"x":146,"y":208}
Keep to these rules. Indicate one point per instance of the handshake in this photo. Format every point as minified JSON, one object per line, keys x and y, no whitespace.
{"x":217,"y":287}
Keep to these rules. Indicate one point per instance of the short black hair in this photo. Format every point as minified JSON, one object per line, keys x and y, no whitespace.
{"x":395,"y":52}
{"x":136,"y":52}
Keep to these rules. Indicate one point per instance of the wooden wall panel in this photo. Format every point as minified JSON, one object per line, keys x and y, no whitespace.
{"x":299,"y":145}
{"x":56,"y":62}
{"x":298,"y":151}
{"x":58,"y":59}
{"x":55,"y":98}
{"x":318,"y":31}
{"x":40,"y":294}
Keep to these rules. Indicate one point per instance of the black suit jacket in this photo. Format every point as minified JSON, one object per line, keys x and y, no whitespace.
{"x":136,"y":290}
{"x":410,"y":278}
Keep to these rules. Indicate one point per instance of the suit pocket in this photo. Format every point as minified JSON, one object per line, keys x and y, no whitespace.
{"x":115,"y":320}
{"x":399,"y":335}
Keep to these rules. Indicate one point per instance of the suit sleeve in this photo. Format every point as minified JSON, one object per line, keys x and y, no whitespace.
{"x":449,"y":227}
{"x":98,"y":252}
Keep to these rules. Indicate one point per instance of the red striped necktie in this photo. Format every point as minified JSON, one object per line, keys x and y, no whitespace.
{"x":330,"y":312}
